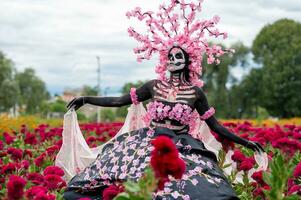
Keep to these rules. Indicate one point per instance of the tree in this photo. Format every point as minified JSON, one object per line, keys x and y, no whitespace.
{"x":216,"y":78}
{"x":278,"y":48}
{"x":89,"y":91}
{"x":32,"y":89}
{"x":245,"y":96}
{"x":9,"y":90}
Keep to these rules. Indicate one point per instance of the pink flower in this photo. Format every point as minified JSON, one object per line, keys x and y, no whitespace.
{"x":15,"y":187}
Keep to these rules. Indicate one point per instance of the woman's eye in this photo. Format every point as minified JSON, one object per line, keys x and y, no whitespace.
{"x":179,"y":56}
{"x":169,"y":56}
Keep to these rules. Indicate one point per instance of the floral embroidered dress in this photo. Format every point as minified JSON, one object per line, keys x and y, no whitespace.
{"x":126,"y":156}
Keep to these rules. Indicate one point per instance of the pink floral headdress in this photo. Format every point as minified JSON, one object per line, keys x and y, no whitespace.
{"x":167,"y":29}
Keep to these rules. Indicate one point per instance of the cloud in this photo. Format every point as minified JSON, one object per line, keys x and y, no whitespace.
{"x":60,"y":39}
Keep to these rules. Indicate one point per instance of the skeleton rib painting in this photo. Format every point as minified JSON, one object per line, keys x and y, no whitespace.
{"x":178,"y":109}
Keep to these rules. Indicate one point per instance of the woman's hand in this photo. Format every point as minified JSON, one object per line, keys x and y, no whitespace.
{"x":76,"y":103}
{"x":255,"y":146}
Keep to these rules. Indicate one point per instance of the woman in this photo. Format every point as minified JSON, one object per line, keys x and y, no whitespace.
{"x":170,"y":111}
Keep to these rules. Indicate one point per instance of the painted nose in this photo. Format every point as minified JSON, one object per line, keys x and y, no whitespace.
{"x":172,"y":58}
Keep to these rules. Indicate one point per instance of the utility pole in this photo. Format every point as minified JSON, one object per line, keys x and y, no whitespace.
{"x":98,"y":87}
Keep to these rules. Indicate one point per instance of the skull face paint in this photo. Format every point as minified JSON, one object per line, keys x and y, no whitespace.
{"x":176,"y":59}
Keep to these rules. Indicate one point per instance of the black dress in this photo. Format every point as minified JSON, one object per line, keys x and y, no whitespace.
{"x":126,"y":156}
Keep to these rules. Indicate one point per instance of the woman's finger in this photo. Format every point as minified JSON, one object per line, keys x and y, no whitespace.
{"x":70,"y":103}
{"x":260,"y":147}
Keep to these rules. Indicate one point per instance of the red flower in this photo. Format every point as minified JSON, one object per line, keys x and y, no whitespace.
{"x":44,"y":196}
{"x":34,"y":191}
{"x":15,"y":187}
{"x":296,"y":189}
{"x":247,"y":164}
{"x":165,"y":160}
{"x":91,"y":139}
{"x":35,"y":178}
{"x":27,"y":152}
{"x":257,"y":176}
{"x":297,"y":170}
{"x":8,"y":138}
{"x":258,"y":192}
{"x":238,"y":156}
{"x":53,"y":170}
{"x":52,"y":150}
{"x":9,"y":168}
{"x":112,"y":191}
{"x":1,"y":145}
{"x":30,"y":139}
{"x":59,"y":143}
{"x":164,"y":145}
{"x":16,"y":154}
{"x":39,"y":160}
{"x":25,"y":164}
{"x":53,"y":182}
{"x":287,"y":146}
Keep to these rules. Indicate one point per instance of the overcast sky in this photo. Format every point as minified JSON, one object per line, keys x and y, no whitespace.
{"x":60,"y":39}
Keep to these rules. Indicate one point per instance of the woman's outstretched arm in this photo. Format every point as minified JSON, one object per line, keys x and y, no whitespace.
{"x":143,"y":93}
{"x":202,"y":106}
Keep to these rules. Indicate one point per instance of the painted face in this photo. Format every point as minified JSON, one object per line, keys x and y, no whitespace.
{"x":176,"y":59}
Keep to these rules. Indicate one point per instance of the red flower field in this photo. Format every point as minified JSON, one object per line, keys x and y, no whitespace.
{"x":27,"y":159}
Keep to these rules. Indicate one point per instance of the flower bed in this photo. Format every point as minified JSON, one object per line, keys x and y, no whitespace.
{"x":27,"y":159}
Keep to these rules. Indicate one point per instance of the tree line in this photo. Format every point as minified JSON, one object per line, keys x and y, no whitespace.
{"x":271,"y":88}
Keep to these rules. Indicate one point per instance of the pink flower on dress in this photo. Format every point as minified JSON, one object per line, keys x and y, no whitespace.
{"x":134,"y":96}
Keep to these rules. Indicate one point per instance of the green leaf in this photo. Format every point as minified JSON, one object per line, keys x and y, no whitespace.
{"x":132,"y":186}
{"x":122,"y":196}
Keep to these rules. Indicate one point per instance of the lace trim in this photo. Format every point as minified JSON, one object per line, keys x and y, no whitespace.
{"x":134,"y":96}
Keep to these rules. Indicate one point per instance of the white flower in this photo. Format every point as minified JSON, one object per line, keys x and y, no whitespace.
{"x":194,"y":181}
{"x":175,"y":194}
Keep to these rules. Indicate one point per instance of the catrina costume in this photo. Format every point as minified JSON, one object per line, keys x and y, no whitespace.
{"x":178,"y":108}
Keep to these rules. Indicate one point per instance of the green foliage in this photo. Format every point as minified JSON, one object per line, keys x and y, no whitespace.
{"x":142,"y":190}
{"x":32,"y":89}
{"x":9,"y":89}
{"x":217,"y":76}
{"x":277,"y":47}
{"x":107,"y":115}
{"x":58,"y":106}
{"x":89,"y":91}
{"x":281,"y":169}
